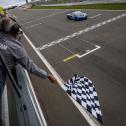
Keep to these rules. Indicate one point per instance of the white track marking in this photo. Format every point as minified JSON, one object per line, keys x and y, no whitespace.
{"x":80,"y":32}
{"x":43,"y":17}
{"x":31,"y":26}
{"x":88,"y":52}
{"x":86,"y":115}
{"x":35,"y":102}
{"x":95,"y":16}
{"x":86,"y":41}
{"x":66,"y":49}
{"x":22,"y":19}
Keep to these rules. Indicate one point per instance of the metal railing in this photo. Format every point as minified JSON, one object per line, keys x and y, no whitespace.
{"x":26,"y":108}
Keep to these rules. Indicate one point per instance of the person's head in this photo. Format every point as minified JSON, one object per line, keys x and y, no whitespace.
{"x":6,"y":24}
{"x":15,"y":30}
{"x":9,"y":27}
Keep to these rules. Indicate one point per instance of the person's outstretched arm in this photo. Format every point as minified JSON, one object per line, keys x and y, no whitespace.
{"x":23,"y":59}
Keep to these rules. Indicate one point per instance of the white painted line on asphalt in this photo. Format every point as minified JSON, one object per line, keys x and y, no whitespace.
{"x":66,"y":48}
{"x":44,"y":60}
{"x":85,"y":114}
{"x":35,"y":102}
{"x":87,"y":41}
{"x":53,"y":14}
{"x":22,"y":19}
{"x":95,"y":16}
{"x":88,"y":52}
{"x":39,"y":108}
{"x":31,"y":26}
{"x":80,"y":32}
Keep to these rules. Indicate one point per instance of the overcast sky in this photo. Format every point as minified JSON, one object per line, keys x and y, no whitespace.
{"x":6,"y":3}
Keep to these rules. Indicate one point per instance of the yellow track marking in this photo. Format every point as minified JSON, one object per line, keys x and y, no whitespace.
{"x":69,"y":58}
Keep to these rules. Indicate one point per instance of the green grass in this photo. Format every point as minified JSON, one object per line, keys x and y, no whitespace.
{"x":106,"y":6}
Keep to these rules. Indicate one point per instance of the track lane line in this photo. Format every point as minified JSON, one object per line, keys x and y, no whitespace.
{"x":88,"y":52}
{"x":53,"y":14}
{"x":35,"y":102}
{"x":95,"y":16}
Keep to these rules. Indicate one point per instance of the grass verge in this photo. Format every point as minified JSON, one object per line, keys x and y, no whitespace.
{"x":106,"y":6}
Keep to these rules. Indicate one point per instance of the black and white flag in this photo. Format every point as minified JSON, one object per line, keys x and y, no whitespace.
{"x":83,"y":91}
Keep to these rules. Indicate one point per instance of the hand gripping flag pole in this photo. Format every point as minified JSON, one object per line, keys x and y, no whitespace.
{"x":83,"y":91}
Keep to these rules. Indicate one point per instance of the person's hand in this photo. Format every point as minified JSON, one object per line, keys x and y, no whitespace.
{"x":52,"y":79}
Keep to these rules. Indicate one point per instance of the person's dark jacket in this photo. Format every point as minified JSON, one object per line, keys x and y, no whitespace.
{"x":14,"y":52}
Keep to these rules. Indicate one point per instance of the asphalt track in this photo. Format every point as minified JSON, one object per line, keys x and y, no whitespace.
{"x":53,"y":35}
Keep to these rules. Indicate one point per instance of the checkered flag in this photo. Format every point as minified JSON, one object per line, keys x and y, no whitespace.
{"x":83,"y":91}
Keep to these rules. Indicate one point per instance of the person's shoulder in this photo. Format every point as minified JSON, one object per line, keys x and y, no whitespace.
{"x":16,"y":49}
{"x":12,"y":43}
{"x":16,"y":45}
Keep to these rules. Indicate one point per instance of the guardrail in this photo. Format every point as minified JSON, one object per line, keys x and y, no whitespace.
{"x":23,"y":102}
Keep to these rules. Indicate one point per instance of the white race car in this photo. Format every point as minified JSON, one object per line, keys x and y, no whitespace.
{"x":77,"y":16}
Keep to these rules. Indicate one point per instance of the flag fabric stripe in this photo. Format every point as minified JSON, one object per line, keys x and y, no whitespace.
{"x":83,"y":91}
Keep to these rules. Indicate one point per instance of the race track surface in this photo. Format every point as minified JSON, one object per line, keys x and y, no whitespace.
{"x":95,"y":47}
